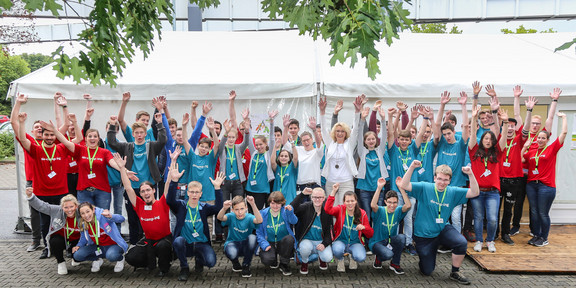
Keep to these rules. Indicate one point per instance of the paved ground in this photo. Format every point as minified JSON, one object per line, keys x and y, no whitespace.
{"x":19,"y":268}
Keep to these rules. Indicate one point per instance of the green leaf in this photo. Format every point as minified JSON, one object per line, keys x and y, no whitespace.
{"x":6,"y":4}
{"x":565,"y":45}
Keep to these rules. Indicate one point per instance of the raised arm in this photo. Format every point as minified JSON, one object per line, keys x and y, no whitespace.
{"x":476,"y":88}
{"x":517,"y":93}
{"x":504,"y":119}
{"x":407,"y":204}
{"x":215,"y":140}
{"x":271,"y":139}
{"x":273,"y":156}
{"x":232,"y":109}
{"x":474,"y":129}
{"x":64,"y":104}
{"x":185,"y":120}
{"x":14,"y":117}
{"x":494,"y":106}
{"x":50,"y":126}
{"x":444,"y":99}
{"x":22,"y":131}
{"x":121,"y":121}
{"x":174,"y":174}
{"x":405,"y":183}
{"x":564,"y":132}
{"x":193,"y":117}
{"x":391,"y":112}
{"x":463,"y":99}
{"x":286,"y":122}
{"x":376,"y":197}
{"x":418,"y":140}
{"x":317,"y":136}
{"x":57,"y":114}
{"x":555,"y":94}
{"x":258,"y":217}
{"x":530,"y":103}
{"x":79,"y":135}
{"x":474,"y":189}
{"x":337,"y":109}
{"x":121,"y":161}
{"x":222,"y":214}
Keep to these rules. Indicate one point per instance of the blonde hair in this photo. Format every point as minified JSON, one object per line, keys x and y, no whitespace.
{"x":342,"y":125}
{"x":69,"y":198}
{"x":443,"y":169}
{"x":195,"y":184}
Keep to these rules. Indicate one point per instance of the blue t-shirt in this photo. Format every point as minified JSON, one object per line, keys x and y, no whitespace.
{"x":370,"y":181}
{"x":397,"y":160}
{"x":275,"y":228}
{"x":113,"y":174}
{"x":287,"y":176}
{"x":425,"y":223}
{"x":183,"y":164}
{"x":426,"y":155}
{"x":384,"y":228}
{"x":315,"y":232}
{"x":453,"y":155}
{"x":239,"y":229}
{"x":140,"y":166}
{"x":258,"y":175}
{"x":349,"y":234}
{"x":129,"y":138}
{"x":192,"y":225}
{"x":231,"y":165}
{"x":201,"y":168}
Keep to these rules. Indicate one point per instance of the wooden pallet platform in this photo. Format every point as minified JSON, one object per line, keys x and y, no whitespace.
{"x":557,"y":257}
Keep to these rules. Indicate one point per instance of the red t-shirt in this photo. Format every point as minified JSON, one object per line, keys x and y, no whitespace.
{"x":50,"y":176}
{"x":103,"y":238}
{"x":479,"y":168}
{"x":512,"y":158}
{"x":70,"y":228}
{"x":28,"y":160}
{"x":101,"y":159}
{"x":533,"y":145}
{"x":155,"y":220}
{"x":546,"y":163}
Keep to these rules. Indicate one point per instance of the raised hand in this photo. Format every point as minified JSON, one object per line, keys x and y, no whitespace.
{"x":227,"y":126}
{"x":272,"y":114}
{"x":475,"y":111}
{"x":62,"y":101}
{"x":382,"y":112}
{"x":490,"y":91}
{"x":322,"y":103}
{"x":220,"y":177}
{"x":57,"y":95}
{"x":176,"y":153}
{"x":22,"y":99}
{"x":113,"y":119}
{"x":429,"y":112}
{"x":339,"y":106}
{"x":22,"y":117}
{"x":232,"y":95}
{"x":398,"y":181}
{"x":468,"y":171}
{"x":476,"y":87}
{"x":126,"y":96}
{"x":121,"y":161}
{"x":381,"y":182}
{"x":555,"y":94}
{"x":47,"y":126}
{"x":358,"y":104}
{"x":156,"y":102}
{"x":503,"y":114}
{"x":414,"y":112}
{"x":90,"y":111}
{"x":194,"y":104}
{"x":72,"y":117}
{"x":227,"y":204}
{"x":517,"y":91}
{"x":250,"y":199}
{"x":246,"y":113}
{"x":445,"y":97}
{"x":312,"y":123}
{"x":365,"y":113}
{"x":401,"y":106}
{"x":206,"y":108}
{"x":286,"y":120}
{"x":307,"y":191}
{"x":531,"y":102}
{"x":416,"y":164}
{"x":377,"y":105}
{"x":174,"y":173}
{"x":210,"y":123}
{"x":185,"y":119}
{"x":87,"y":97}
{"x":463,"y":98}
{"x":494,"y":103}
{"x":561,"y":114}
{"x":158,"y":117}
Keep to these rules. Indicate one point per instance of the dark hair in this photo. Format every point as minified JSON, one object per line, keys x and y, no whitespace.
{"x":277,"y":129}
{"x":391,"y":194}
{"x":277,"y":197}
{"x":218,"y":122}
{"x":318,"y":126}
{"x":237,"y":200}
{"x":172,"y":121}
{"x":205,"y":141}
{"x":490,"y":153}
{"x":290,"y":156}
{"x":547,"y":133}
{"x":294,"y":122}
{"x":452,"y":117}
{"x":147,"y":183}
{"x":513,"y":120}
{"x":357,"y":211}
{"x":378,"y":122}
{"x":447,"y":125}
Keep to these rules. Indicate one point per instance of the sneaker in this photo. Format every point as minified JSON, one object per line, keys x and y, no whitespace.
{"x":531,"y":241}
{"x":161,"y":274}
{"x":33,"y":247}
{"x":377,"y":263}
{"x":198,"y":269}
{"x":275,"y":265}
{"x":396,"y":268}
{"x":119,"y":266}
{"x":443,"y":249}
{"x":478,"y":246}
{"x":219,"y":238}
{"x":458,"y":277}
{"x":96,"y":265}
{"x":514,"y":231}
{"x":491,"y":246}
{"x":184,"y":273}
{"x":540,"y":242}
{"x":304,"y":268}
{"x":323,"y":265}
{"x":352,"y":265}
{"x":285,"y":269}
{"x":246,"y":271}
{"x":45,"y":254}
{"x":469,"y":235}
{"x":62,"y":269}
{"x":236,"y":267}
{"x":531,"y":234}
{"x":506,"y":239}
{"x":340,"y":266}
{"x":411,"y":250}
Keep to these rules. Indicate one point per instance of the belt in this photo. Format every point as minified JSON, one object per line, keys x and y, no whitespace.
{"x":487,"y":189}
{"x":511,"y":180}
{"x":90,"y":189}
{"x":537,"y":182}
{"x":232,"y":181}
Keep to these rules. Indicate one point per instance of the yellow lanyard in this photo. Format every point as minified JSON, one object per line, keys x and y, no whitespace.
{"x":508,"y":147}
{"x":537,"y":156}
{"x":349,"y":225}
{"x":94,"y":233}
{"x":91,"y":159}
{"x":438,"y":199}
{"x":193,"y":219}
{"x":282,"y":175}
{"x":256,"y":168}
{"x":388,"y":223}
{"x":423,"y":152}
{"x":404,"y":161}
{"x":275,"y":226}
{"x":67,"y":229}
{"x":231,"y":157}
{"x":49,"y":158}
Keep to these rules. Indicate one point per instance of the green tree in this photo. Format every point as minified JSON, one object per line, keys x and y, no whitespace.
{"x":11,"y":68}
{"x":115,"y":28}
{"x":36,"y":61}
{"x":437,"y":28}
{"x":524,"y":30}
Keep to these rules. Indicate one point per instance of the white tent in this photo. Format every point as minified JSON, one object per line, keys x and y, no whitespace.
{"x":284,"y":71}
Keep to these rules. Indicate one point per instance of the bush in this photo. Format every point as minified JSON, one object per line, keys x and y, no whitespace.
{"x":6,"y":145}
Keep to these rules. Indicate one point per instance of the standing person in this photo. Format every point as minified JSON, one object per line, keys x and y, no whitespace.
{"x":351,"y":224}
{"x":386,"y":243}
{"x":155,"y":221}
{"x":485,"y":158}
{"x":275,"y":236}
{"x":64,"y":231}
{"x":314,"y":228}
{"x":435,"y":203}
{"x":100,"y":238}
{"x":285,"y":167}
{"x":114,"y":179}
{"x":240,"y":241}
{"x":142,"y":117}
{"x":425,"y":145}
{"x":541,"y":188}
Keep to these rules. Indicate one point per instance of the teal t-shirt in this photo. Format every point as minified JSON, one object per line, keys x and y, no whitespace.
{"x":183,"y":164}
{"x":193,"y":229}
{"x":349,"y":234}
{"x":275,"y":228}
{"x":201,"y":169}
{"x":315,"y":232}
{"x":231,"y":164}
{"x":386,"y":158}
{"x":426,"y":155}
{"x":239,"y":229}
{"x":399,"y":163}
{"x":425,"y":223}
{"x":258,"y":175}
{"x":370,"y":181}
{"x":113,"y":174}
{"x":385,"y":227}
{"x":129,"y":138}
{"x":140,"y":166}
{"x":453,"y":155}
{"x":285,"y":181}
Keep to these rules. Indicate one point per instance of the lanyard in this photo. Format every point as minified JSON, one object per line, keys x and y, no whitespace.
{"x":49,"y":158}
{"x":94,"y":233}
{"x":508,"y":147}
{"x":282,"y":175}
{"x":37,"y":142}
{"x":404,"y":161}
{"x":231,"y":157}
{"x":423,"y":152}
{"x":193,"y":219}
{"x":68,"y":234}
{"x":91,"y":159}
{"x":532,"y":138}
{"x":256,"y":168}
{"x":275,"y":226}
{"x":486,"y":163}
{"x":388,"y":223}
{"x":438,"y":198}
{"x":537,"y":156}
{"x":349,"y":225}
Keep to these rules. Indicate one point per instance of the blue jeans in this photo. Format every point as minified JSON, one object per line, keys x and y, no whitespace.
{"x":88,"y":253}
{"x":97,"y":197}
{"x":408,"y":221}
{"x":366,"y":198}
{"x":540,"y":198}
{"x":487,"y":203}
{"x":456,"y":218}
{"x":357,"y":250}
{"x":117,"y":198}
{"x":383,"y":253}
{"x":246,"y":248}
{"x":201,"y":251}
{"x":308,"y":252}
{"x":427,"y":247}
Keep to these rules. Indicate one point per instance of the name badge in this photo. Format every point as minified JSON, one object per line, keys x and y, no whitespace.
{"x":243,"y":160}
{"x":91,"y":175}
{"x":388,"y":167}
{"x":195,"y":234}
{"x":487,"y":173}
{"x":405,"y":166}
{"x":389,"y":246}
{"x":52,"y":174}
{"x":98,"y":252}
{"x":72,"y":164}
{"x":232,"y":176}
{"x":439,"y":221}
{"x":253,"y":182}
{"x":148,"y":207}
{"x":421,"y":171}
{"x":506,"y":164}
{"x":535,"y":171}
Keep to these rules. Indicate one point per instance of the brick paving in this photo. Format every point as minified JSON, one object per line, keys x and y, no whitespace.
{"x":8,"y":179}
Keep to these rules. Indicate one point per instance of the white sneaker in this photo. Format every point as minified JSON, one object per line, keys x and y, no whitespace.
{"x":74,"y":263}
{"x":353,"y":265}
{"x":62,"y":269}
{"x":340,"y":267}
{"x":96,"y":265}
{"x":491,"y":246}
{"x":119,"y":266}
{"x":478,"y":246}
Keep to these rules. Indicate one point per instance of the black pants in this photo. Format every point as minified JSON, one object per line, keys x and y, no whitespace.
{"x":145,"y":252}
{"x":519,"y":204}
{"x":230,"y":189}
{"x":72,"y":184}
{"x":260,"y":200}
{"x":134,"y":227}
{"x":45,"y":219}
{"x":510,"y":188}
{"x":283,"y":248}
{"x":58,"y":245}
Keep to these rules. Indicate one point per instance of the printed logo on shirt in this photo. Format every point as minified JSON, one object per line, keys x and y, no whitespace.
{"x":53,"y":159}
{"x":448,"y":154}
{"x":444,"y":204}
{"x":391,"y":225}
{"x":200,"y":166}
{"x":316,"y":227}
{"x":150,"y":219}
{"x":139,"y":154}
{"x":240,"y":230}
{"x":97,"y":158}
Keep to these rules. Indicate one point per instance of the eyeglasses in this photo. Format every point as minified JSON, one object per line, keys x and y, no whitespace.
{"x":195,"y":192}
{"x":536,"y":123}
{"x":318,"y":197}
